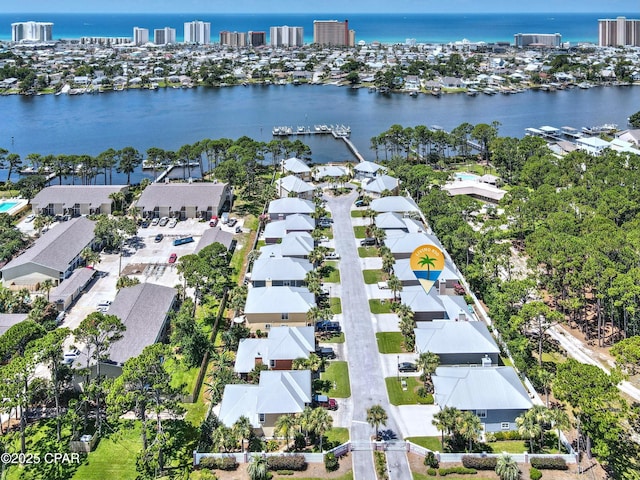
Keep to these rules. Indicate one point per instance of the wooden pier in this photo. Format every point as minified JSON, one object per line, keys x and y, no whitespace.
{"x":335,"y":130}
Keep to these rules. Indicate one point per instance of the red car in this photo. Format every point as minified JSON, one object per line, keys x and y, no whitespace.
{"x":213,"y":222}
{"x":172,"y":258}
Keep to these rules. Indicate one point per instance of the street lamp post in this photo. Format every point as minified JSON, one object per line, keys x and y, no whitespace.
{"x":398,"y":366}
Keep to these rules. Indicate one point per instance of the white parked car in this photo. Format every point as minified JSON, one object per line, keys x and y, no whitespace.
{"x":30,"y":218}
{"x":332,"y":256}
{"x":172,"y":223}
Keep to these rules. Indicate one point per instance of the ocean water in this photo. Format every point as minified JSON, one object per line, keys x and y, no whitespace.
{"x":386,"y":28}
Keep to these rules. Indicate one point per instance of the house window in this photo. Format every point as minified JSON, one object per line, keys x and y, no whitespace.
{"x":261,"y":418}
{"x":272,"y":363}
{"x":286,"y":283}
{"x":267,"y":326}
{"x":285,"y":316}
{"x":481,"y":413}
{"x":505,"y":425}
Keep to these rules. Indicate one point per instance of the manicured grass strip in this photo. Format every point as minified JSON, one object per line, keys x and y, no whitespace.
{"x":374,"y":276}
{"x":390,"y":342}
{"x":360,"y":231}
{"x":336,"y":305}
{"x":377,"y":306}
{"x":115,"y":456}
{"x":338,"y":435}
{"x":337,"y":338}
{"x":346,"y":476}
{"x":365,"y":252}
{"x":330,"y":272}
{"x":432,"y":443}
{"x":337,"y":373}
{"x":181,"y":376}
{"x":357,"y":213}
{"x":398,"y":396}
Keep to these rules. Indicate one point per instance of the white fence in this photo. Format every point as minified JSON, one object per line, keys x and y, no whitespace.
{"x":245,"y":457}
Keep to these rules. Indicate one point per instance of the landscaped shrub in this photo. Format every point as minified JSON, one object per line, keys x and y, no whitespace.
{"x":331,"y":463}
{"x":291,"y":462}
{"x":549,"y":463}
{"x":272,"y":446}
{"x":432,"y":472}
{"x":490,"y":437}
{"x":285,"y":472}
{"x":224,"y":463}
{"x":443,"y":472}
{"x":430,"y":460}
{"x":535,"y":474}
{"x":299,"y":442}
{"x":425,"y":399}
{"x":508,"y":435}
{"x":479,"y":463}
{"x":380,"y":461}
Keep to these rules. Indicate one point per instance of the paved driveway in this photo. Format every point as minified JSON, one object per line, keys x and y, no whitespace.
{"x":365,"y":369}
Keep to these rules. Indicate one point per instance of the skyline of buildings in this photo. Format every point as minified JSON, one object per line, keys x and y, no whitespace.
{"x":620,"y":31}
{"x":286,"y":36}
{"x":333,"y":33}
{"x":31,"y":31}
{"x":140,"y":35}
{"x":164,"y":36}
{"x":197,"y":32}
{"x":550,"y":40}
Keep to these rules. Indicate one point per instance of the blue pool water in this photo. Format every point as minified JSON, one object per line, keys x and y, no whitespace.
{"x":466,"y":176}
{"x":6,"y":206}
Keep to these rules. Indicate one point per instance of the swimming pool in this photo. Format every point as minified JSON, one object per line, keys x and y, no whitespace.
{"x":466,"y":176}
{"x":6,"y":206}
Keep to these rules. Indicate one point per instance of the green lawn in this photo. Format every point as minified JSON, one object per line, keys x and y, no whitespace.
{"x":338,"y":435}
{"x":364,"y":252}
{"x":337,"y":338}
{"x":505,"y":361}
{"x":360,"y":231}
{"x":432,"y":443}
{"x":374,"y":276}
{"x":390,"y":342}
{"x":376,"y":306}
{"x":336,"y":305}
{"x":338,"y":373}
{"x":397,"y":396}
{"x":357,"y":213}
{"x":115,"y":456}
{"x":346,"y":476}
{"x":330,"y":272}
{"x":181,"y":375}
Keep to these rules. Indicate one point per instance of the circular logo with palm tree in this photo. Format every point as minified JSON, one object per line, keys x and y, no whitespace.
{"x":427,"y":263}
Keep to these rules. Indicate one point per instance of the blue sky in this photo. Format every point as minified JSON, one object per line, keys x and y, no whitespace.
{"x":328,"y":6}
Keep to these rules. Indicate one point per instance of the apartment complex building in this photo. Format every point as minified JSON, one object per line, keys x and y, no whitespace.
{"x":31,"y":32}
{"x":197,"y":32}
{"x":334,"y":33}
{"x":164,"y":36}
{"x":257,"y":39}
{"x":286,"y":36}
{"x":550,"y":40}
{"x":615,"y":32}
{"x":140,"y":35}
{"x":233,"y":39}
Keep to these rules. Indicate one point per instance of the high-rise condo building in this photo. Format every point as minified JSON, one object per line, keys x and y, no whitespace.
{"x":257,"y":39}
{"x":31,"y":32}
{"x":164,"y":36}
{"x":197,"y":32}
{"x":140,"y":35}
{"x":616,"y":32}
{"x":549,"y":40}
{"x":333,"y":32}
{"x":286,"y":36}
{"x":233,"y":39}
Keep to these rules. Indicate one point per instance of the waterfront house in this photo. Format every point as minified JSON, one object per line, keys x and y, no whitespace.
{"x":297,"y":167}
{"x":632,"y":136}
{"x":53,"y":256}
{"x":272,"y":306}
{"x":283,"y":207}
{"x":185,"y":200}
{"x":279,"y":392}
{"x":495,"y":394}
{"x":375,"y":187}
{"x":330,"y":173}
{"x":480,"y":190}
{"x":278,"y":351}
{"x":275,"y":271}
{"x":367,"y":170}
{"x":75,"y":200}
{"x":457,"y":343}
{"x":292,"y":186}
{"x":592,"y":145}
{"x":395,"y":204}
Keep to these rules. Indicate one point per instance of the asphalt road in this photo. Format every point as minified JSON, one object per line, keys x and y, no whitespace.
{"x":365,"y":370}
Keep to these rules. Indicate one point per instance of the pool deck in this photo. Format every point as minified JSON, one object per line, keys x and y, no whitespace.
{"x":17,"y":205}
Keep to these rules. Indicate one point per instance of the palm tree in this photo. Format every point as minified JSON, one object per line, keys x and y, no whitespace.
{"x":507,"y":468}
{"x":283,"y":427}
{"x":470,"y":427}
{"x":429,"y":262}
{"x":47,"y":285}
{"x":395,"y":285}
{"x":428,"y":362}
{"x":305,"y":421}
{"x":529,"y":426}
{"x":243,"y":429}
{"x":376,"y":416}
{"x":560,"y":420}
{"x":388,"y":261}
{"x":258,"y":468}
{"x":89,"y":256}
{"x":321,"y":421}
{"x":446,"y":420}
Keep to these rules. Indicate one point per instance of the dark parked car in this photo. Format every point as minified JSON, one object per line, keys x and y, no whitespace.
{"x":158,"y":238}
{"x":326,"y":352}
{"x":407,"y":367}
{"x":232,"y":222}
{"x":359,"y":203}
{"x":368,"y":242}
{"x":145,"y":224}
{"x":328,"y":326}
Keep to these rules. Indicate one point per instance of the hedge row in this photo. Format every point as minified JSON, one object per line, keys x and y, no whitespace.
{"x":291,"y":462}
{"x":223,"y":463}
{"x":443,"y":472}
{"x":479,"y":463}
{"x":549,"y":463}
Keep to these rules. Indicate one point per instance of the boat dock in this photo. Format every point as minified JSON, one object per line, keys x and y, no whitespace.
{"x":335,"y":130}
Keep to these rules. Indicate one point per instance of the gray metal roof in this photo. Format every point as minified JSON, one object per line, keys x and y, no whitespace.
{"x":279,"y":300}
{"x":56,"y":248}
{"x":78,"y":279}
{"x":8,"y":320}
{"x":69,"y":195}
{"x":290,"y":206}
{"x":143,"y":309}
{"x":294,"y":244}
{"x":213,"y":235}
{"x":394,"y":204}
{"x":291,"y":183}
{"x":368,"y":167}
{"x":280,"y":268}
{"x":480,"y":388}
{"x":295,"y":165}
{"x":201,"y":195}
{"x":239,"y":400}
{"x":390,"y":220}
{"x":381,"y":183}
{"x":444,"y":336}
{"x":284,"y":391}
{"x":408,"y":242}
